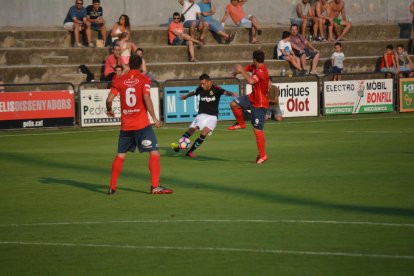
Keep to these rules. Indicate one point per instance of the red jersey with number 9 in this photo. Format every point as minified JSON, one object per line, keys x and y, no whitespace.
{"x":131,"y":88}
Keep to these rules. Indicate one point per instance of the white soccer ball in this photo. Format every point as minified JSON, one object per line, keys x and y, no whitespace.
{"x":184,"y":143}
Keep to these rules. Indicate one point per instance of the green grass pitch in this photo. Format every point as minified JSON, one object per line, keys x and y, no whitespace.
{"x":336,"y":197}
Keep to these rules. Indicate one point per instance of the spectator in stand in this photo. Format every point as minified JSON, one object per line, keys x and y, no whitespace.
{"x":144,"y":70}
{"x":176,"y":36}
{"x":111,"y":62}
{"x":285,"y":52}
{"x":119,"y":71}
{"x":1,"y":84}
{"x":412,"y":11}
{"x":274,"y":111}
{"x":193,"y":19}
{"x":322,"y":11}
{"x":338,"y":8}
{"x":304,"y":49}
{"x":306,"y":18}
{"x":404,"y":63}
{"x":95,"y":20}
{"x":388,"y":62}
{"x":127,"y":47}
{"x":208,"y":9}
{"x":337,"y":60}
{"x":123,"y":25}
{"x":75,"y":21}
{"x":239,"y":17}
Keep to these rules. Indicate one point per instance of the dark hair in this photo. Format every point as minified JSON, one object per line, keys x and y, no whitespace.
{"x":400,"y":46}
{"x":176,"y":14}
{"x":285,"y":34}
{"x":135,"y":62}
{"x":259,"y":56}
{"x":294,"y":25}
{"x":96,"y":1}
{"x":338,"y":43}
{"x":127,"y":23}
{"x":140,"y":49}
{"x":389,"y":47}
{"x":204,"y":77}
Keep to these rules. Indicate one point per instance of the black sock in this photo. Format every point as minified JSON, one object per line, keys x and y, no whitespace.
{"x":197,"y":143}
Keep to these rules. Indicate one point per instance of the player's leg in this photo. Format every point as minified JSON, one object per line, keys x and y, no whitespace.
{"x":258,"y":119}
{"x":206,"y":123}
{"x":237,"y":106}
{"x":187,"y":134}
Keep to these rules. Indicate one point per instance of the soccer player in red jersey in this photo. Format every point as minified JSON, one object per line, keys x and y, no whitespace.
{"x":136,"y":130}
{"x":257,"y":101}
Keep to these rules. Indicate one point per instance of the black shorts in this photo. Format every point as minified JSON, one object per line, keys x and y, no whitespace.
{"x":310,"y":54}
{"x":143,"y":139}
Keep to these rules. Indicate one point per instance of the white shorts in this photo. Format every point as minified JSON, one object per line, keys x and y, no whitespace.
{"x":68,"y":26}
{"x":204,"y":120}
{"x":245,"y":22}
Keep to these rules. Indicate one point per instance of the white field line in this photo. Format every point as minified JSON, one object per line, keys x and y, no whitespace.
{"x":216,"y":249}
{"x":219,"y":127}
{"x":282,"y":221}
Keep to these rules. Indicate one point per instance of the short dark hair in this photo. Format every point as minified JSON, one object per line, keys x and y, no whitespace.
{"x":135,"y":62}
{"x":96,"y":1}
{"x":338,"y":43}
{"x":259,"y":56}
{"x":389,"y":47}
{"x":204,"y":77}
{"x":400,"y":46}
{"x":294,"y":25}
{"x":285,"y":34}
{"x":176,"y":14}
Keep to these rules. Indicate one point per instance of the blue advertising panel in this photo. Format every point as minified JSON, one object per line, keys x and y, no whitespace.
{"x":181,"y":111}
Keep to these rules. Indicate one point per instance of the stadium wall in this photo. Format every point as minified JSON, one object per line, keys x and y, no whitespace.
{"x":51,"y":13}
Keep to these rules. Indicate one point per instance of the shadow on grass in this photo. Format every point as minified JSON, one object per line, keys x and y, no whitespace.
{"x":97,"y":188}
{"x":191,"y":183}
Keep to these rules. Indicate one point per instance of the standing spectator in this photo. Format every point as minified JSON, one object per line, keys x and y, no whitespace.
{"x":1,"y":84}
{"x":337,"y":60}
{"x":388,"y":62}
{"x":123,"y":25}
{"x":239,"y":17}
{"x":322,"y":11}
{"x":306,"y":18}
{"x":111,"y":62}
{"x":206,"y":120}
{"x":193,"y":19}
{"x":304,"y":49}
{"x":136,"y":130}
{"x":208,"y":9}
{"x":176,"y":36}
{"x":95,"y":20}
{"x":75,"y":21}
{"x":274,"y":108}
{"x":285,"y":52}
{"x":257,"y":101}
{"x":127,"y":47}
{"x":404,"y":63}
{"x":338,"y":8}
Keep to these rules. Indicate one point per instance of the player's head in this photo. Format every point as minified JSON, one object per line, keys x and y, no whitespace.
{"x":135,"y":62}
{"x":259,"y":56}
{"x":205,"y":81}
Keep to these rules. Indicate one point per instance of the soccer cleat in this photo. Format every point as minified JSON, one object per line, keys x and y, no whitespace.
{"x":236,"y":126}
{"x":260,"y":160}
{"x":111,"y":192}
{"x":175,"y":147}
{"x":191,"y":154}
{"x":160,"y":190}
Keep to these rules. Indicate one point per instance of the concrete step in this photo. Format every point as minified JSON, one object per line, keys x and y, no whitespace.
{"x":210,"y":52}
{"x":173,"y":70}
{"x":157,"y":36}
{"x":34,"y":42}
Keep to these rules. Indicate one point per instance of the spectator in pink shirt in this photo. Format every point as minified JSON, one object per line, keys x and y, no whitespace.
{"x":239,"y":17}
{"x":111,"y":62}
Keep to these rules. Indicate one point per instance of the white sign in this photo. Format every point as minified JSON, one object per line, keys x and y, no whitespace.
{"x":297,"y":99}
{"x":93,"y":107}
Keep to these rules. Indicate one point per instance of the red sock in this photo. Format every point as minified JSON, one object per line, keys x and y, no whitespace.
{"x":238,"y":113}
{"x":116,"y":170}
{"x":261,"y":142}
{"x":155,"y":169}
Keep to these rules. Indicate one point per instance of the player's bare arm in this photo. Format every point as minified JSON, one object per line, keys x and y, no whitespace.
{"x":109,"y":110}
{"x":240,"y":69}
{"x":183,"y":97}
{"x":150,"y":109}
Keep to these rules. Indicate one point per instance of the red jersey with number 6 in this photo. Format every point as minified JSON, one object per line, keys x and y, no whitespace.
{"x":131,"y":88}
{"x":259,"y":97}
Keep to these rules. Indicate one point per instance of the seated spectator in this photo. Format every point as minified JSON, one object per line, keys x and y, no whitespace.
{"x":193,"y":19}
{"x":120,"y":27}
{"x":337,"y":60}
{"x":304,"y":49}
{"x":285,"y":52}
{"x":95,"y":20}
{"x":388,"y":62}
{"x":176,"y":36}
{"x":306,"y":18}
{"x":75,"y":21}
{"x":111,"y":62}
{"x":208,"y":9}
{"x":239,"y":17}
{"x":127,"y":47}
{"x":322,"y":11}
{"x":404,"y":64}
{"x":144,"y":70}
{"x":338,"y":8}
{"x":274,"y":111}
